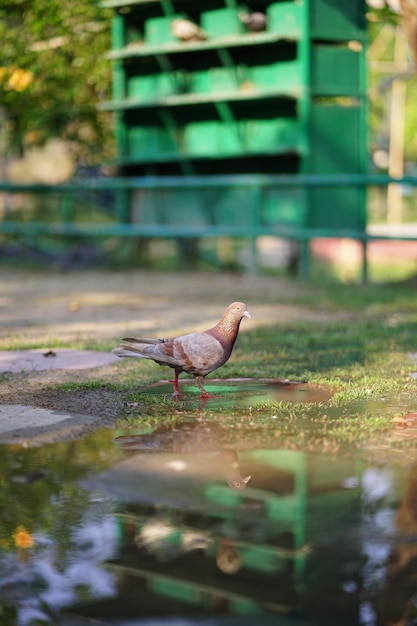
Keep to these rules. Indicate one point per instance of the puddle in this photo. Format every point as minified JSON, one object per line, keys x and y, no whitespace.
{"x":194,"y":525}
{"x":244,"y":392}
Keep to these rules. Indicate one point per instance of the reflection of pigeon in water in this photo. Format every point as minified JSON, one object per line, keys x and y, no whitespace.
{"x":254,"y":22}
{"x":237,"y":483}
{"x":234,"y":477}
{"x":187,"y":30}
{"x":197,"y":354}
{"x":228,"y":559}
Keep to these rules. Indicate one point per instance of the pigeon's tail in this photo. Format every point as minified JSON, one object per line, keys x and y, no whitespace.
{"x":121,"y":352}
{"x":147,"y":341}
{"x":135,"y":347}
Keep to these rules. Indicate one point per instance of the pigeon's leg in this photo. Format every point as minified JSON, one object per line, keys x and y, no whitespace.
{"x":204,"y":393}
{"x":177,"y":392}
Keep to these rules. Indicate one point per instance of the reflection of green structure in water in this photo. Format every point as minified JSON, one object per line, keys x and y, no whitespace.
{"x":290,"y":99}
{"x":189,"y":538}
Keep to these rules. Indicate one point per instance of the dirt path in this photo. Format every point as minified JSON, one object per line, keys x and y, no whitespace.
{"x":101,"y":305}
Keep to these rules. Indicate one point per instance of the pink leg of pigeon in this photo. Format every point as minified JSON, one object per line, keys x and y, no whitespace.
{"x":177,"y":392}
{"x":204,"y":393}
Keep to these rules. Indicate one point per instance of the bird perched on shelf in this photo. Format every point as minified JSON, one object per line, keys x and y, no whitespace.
{"x":197,"y":354}
{"x":254,"y":22}
{"x":186,"y":30}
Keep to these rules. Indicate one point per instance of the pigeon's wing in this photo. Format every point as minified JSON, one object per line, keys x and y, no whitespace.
{"x":198,"y":353}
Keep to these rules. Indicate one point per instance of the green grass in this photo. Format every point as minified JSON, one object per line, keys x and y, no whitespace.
{"x":361,"y":357}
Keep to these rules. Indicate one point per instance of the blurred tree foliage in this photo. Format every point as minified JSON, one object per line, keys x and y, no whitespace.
{"x":53,"y":72}
{"x":52,"y":75}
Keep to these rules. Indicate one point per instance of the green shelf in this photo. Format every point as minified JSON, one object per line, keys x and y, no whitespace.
{"x":139,"y":49}
{"x":289,"y":100}
{"x":196,"y":99}
{"x":335,"y":70}
{"x":114,"y":4}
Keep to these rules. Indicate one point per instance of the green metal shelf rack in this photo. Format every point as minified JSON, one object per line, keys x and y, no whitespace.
{"x":288,"y":100}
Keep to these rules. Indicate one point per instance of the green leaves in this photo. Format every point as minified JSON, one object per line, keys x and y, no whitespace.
{"x":61,"y":47}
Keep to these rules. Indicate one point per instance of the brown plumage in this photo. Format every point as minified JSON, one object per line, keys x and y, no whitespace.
{"x":197,"y":354}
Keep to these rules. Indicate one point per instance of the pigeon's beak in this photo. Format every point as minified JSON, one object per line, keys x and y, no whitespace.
{"x":247,"y":314}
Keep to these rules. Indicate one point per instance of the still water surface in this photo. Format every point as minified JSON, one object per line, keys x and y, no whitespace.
{"x":190,"y":523}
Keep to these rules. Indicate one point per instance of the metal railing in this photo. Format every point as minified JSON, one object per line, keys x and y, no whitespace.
{"x":118,"y":224}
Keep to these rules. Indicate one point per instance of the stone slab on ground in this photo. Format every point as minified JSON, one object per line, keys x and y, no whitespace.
{"x":23,"y":424}
{"x":60,"y":359}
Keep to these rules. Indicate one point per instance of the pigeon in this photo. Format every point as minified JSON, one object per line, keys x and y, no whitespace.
{"x":234,"y":477}
{"x":187,"y":30}
{"x":197,"y":354}
{"x":254,"y":22}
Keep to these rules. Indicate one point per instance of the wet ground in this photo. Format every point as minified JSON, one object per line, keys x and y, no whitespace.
{"x":197,"y":523}
{"x":208,"y":519}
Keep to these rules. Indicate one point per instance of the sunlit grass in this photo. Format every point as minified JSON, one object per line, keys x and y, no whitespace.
{"x":361,"y":357}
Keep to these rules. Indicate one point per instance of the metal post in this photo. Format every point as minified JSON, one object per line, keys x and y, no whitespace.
{"x":364,"y":261}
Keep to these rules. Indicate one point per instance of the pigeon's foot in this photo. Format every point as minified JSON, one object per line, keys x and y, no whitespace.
{"x":204,"y":394}
{"x":207,"y":396}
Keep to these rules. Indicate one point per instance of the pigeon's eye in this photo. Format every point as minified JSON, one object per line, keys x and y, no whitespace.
{"x":238,"y":308}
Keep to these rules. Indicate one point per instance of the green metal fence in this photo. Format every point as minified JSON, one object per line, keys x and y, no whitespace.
{"x":248,"y":221}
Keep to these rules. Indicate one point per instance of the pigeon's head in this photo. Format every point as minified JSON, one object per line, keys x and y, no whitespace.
{"x":237,"y":484}
{"x":237,"y":310}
